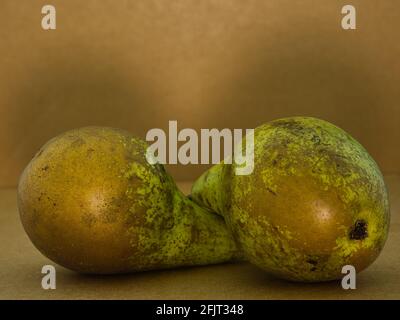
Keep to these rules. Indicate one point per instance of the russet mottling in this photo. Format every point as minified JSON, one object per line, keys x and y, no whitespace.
{"x":90,"y":201}
{"x":316,"y":201}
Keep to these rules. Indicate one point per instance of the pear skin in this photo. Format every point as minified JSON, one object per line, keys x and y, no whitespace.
{"x":316,"y":201}
{"x":91,"y":202}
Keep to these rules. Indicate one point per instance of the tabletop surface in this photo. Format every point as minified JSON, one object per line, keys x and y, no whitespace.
{"x":21,"y":264}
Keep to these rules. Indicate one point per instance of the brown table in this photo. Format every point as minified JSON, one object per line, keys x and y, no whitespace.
{"x":21,"y":263}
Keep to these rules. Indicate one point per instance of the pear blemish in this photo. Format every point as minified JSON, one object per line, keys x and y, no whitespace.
{"x":315,"y":202}
{"x":359,"y":232}
{"x":91,"y":202}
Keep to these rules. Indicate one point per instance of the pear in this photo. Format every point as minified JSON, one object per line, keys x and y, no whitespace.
{"x":315,"y":202}
{"x":90,"y":201}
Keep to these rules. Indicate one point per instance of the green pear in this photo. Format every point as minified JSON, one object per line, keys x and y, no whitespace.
{"x":315,"y":201}
{"x":90,"y":201}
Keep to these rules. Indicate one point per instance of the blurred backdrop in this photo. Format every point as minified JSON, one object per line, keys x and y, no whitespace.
{"x":208,"y":64}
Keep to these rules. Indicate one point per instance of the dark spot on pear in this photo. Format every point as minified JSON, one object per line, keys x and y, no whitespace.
{"x":316,"y":139}
{"x":359,"y":230}
{"x":312,"y":261}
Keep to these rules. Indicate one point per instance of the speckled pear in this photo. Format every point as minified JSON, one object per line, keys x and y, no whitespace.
{"x":91,"y":202}
{"x":316,"y":201}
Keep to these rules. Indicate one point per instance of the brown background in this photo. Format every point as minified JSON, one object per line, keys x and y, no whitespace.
{"x":234,"y":64}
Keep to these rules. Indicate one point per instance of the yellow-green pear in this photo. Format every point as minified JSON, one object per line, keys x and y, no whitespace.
{"x":315,"y":201}
{"x":91,"y":202}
